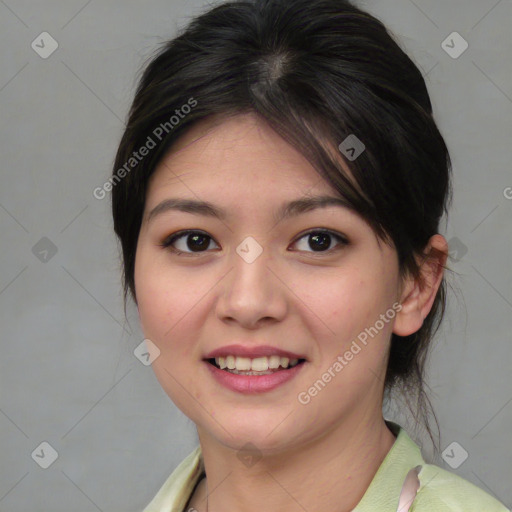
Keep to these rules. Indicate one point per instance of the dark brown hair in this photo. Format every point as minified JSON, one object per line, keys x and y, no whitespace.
{"x":316,"y":71}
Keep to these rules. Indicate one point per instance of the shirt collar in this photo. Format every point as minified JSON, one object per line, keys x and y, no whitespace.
{"x":384,"y":490}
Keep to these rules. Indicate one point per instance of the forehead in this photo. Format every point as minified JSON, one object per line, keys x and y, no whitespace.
{"x":235,"y":152}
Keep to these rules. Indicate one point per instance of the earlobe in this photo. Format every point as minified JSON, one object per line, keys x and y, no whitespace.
{"x":408,"y":320}
{"x":418,"y":294}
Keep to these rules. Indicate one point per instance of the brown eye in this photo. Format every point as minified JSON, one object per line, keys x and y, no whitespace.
{"x":188,"y":242}
{"x":322,"y":241}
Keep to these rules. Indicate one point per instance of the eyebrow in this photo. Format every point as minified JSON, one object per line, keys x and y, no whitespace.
{"x":287,"y":210}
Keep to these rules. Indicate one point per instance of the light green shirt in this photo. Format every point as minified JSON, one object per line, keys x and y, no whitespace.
{"x":439,"y":491}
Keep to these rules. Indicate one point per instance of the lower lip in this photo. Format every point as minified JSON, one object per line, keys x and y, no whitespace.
{"x":253,"y":383}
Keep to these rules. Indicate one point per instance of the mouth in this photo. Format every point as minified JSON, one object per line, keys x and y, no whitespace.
{"x":253,"y":369}
{"x":265,"y":365}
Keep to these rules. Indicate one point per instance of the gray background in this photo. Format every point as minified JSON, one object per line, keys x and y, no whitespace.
{"x":68,"y":372}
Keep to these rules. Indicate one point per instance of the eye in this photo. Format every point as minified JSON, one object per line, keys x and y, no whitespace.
{"x":321,"y":239}
{"x":195,"y":241}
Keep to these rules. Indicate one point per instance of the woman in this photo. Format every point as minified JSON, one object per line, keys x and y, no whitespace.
{"x":277,"y":195}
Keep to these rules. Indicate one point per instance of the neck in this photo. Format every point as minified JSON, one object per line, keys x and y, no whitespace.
{"x":331,"y":473}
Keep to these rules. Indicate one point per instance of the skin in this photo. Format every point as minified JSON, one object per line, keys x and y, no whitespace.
{"x":294,"y":296}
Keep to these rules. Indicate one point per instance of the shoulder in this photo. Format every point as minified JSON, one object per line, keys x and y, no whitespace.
{"x":440,"y":490}
{"x":443,"y":491}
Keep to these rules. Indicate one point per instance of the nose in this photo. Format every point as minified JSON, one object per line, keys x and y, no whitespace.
{"x":251,"y":293}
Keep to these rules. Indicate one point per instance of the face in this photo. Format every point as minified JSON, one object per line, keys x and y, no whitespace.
{"x":253,"y":288}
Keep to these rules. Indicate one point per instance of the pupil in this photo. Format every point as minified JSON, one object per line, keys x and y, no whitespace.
{"x":202,"y":238}
{"x":323,"y":240}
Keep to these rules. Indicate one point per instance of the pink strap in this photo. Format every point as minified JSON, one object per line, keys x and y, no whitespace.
{"x":409,"y":490}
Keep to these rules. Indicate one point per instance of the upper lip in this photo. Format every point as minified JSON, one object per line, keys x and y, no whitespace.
{"x":251,"y":352}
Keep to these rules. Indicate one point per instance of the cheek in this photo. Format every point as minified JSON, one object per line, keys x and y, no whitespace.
{"x":168,"y":310}
{"x":174,"y":305}
{"x":349,"y":303}
{"x":163,"y":296}
{"x":344,"y":301}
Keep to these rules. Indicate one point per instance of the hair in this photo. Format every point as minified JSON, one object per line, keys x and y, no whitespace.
{"x":316,"y":71}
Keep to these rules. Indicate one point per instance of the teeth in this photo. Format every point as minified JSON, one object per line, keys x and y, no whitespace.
{"x":273,"y":362}
{"x":243,"y":363}
{"x":258,"y":364}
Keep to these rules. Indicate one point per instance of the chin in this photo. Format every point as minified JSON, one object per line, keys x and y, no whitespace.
{"x":264,"y":430}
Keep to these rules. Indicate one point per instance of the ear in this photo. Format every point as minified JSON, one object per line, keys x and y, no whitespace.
{"x":418,"y":294}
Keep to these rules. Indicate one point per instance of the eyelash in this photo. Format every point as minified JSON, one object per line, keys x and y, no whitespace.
{"x":167,"y":243}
